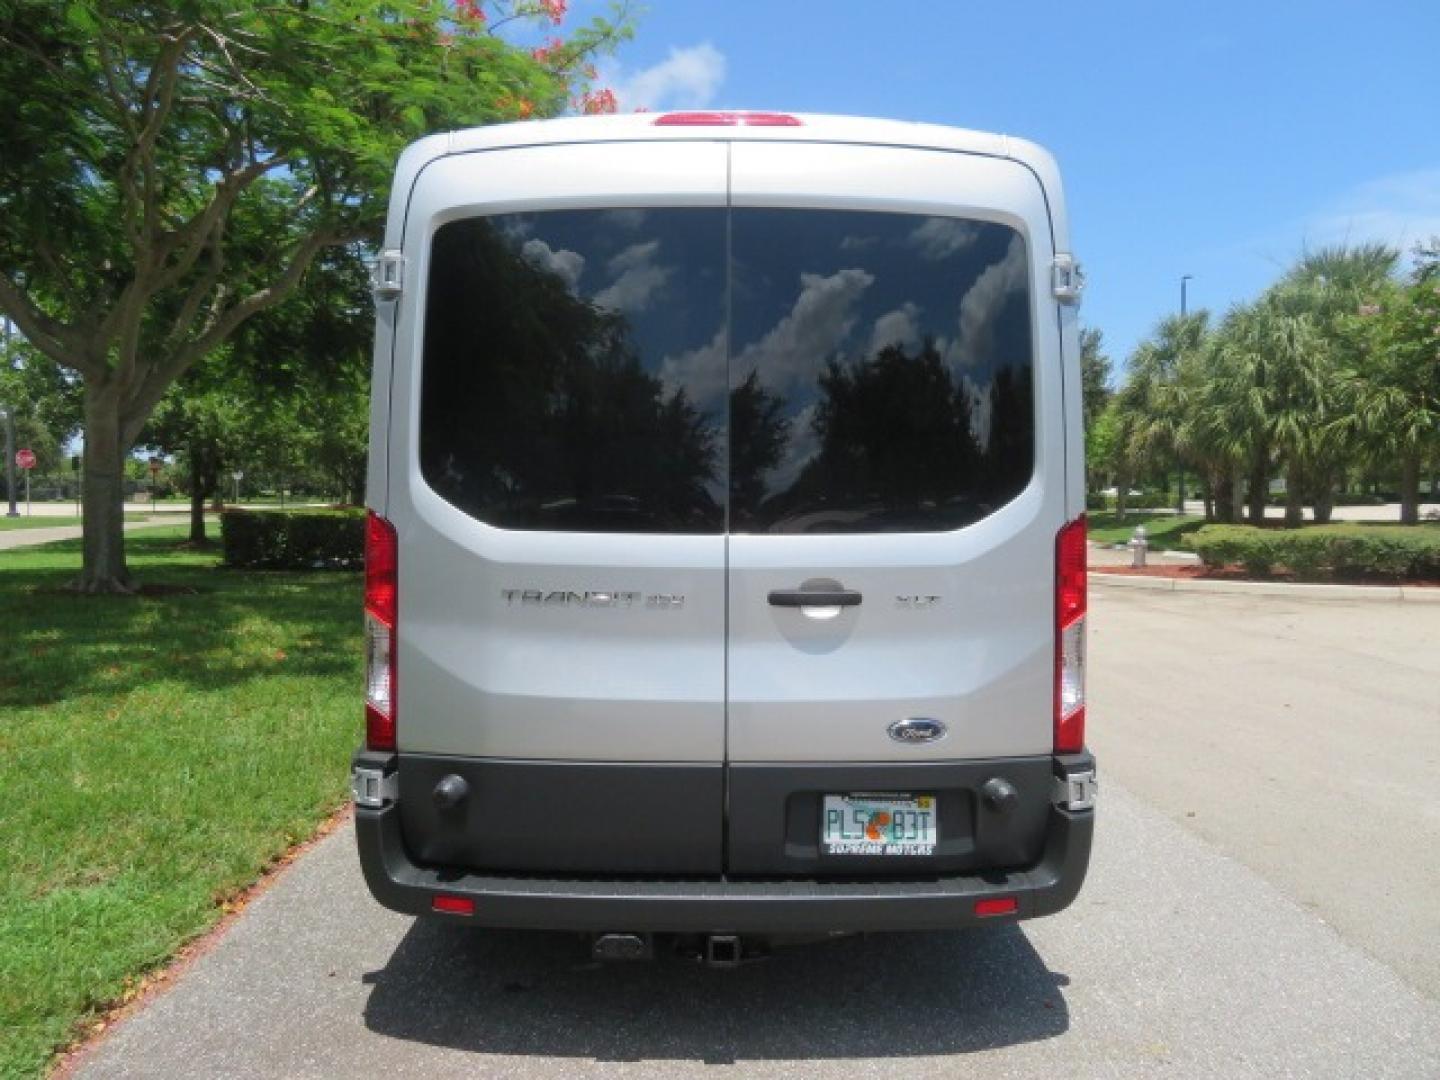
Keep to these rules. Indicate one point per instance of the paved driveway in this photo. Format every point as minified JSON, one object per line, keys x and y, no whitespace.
{"x":1202,"y":946}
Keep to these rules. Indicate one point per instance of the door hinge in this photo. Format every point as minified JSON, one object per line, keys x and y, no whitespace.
{"x":387,"y":276}
{"x":1067,"y":279}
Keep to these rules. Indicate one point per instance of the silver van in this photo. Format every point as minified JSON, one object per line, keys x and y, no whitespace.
{"x":726,"y":547}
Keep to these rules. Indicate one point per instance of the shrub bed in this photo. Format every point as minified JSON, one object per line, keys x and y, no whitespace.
{"x":281,"y":540}
{"x":1323,"y":552}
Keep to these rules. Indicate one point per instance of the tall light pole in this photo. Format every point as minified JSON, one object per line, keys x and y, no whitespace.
{"x":1185,"y":280}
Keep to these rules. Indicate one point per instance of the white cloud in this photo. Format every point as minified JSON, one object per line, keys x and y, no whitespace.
{"x":898,"y":327}
{"x":802,"y":448}
{"x":979,"y":309}
{"x":637,"y":278}
{"x":700,"y":372}
{"x":688,"y":78}
{"x":569,"y":265}
{"x":629,"y":218}
{"x":1399,"y":209}
{"x":815,"y":326}
{"x":982,"y":408}
{"x":939,"y":238}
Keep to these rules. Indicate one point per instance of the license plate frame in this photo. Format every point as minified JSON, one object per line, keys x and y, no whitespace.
{"x":879,"y":824}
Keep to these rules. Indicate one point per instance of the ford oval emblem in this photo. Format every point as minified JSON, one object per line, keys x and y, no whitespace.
{"x":917,"y":729}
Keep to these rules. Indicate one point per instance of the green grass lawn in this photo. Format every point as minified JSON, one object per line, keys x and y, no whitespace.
{"x":1165,"y":531}
{"x":156,"y":753}
{"x":47,"y":521}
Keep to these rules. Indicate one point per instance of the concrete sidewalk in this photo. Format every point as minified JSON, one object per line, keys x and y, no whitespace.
{"x":18,"y":538}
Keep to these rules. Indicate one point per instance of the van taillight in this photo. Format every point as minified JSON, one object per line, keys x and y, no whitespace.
{"x":1070,"y":638}
{"x":381,"y":608}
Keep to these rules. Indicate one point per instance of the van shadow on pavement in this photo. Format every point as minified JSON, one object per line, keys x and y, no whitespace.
{"x":890,"y":995}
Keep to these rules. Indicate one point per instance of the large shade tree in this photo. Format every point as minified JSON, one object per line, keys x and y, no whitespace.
{"x":168,"y":171}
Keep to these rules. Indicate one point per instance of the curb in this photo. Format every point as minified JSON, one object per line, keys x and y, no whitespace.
{"x":1301,"y":591}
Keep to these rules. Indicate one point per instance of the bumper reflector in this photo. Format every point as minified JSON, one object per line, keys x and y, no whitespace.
{"x":999,"y":905}
{"x":453,"y":905}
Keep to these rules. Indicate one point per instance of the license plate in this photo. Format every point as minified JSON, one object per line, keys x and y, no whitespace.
{"x":879,"y":825}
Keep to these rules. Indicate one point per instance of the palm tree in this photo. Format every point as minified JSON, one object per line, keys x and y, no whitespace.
{"x":1396,"y":393}
{"x":1332,"y":284}
{"x":1150,"y":410}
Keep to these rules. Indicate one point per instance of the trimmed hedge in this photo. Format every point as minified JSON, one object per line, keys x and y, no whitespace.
{"x":1323,"y":552}
{"x":281,"y":540}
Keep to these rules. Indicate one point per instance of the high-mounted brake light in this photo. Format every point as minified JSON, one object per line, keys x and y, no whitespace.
{"x":726,"y":119}
{"x":1070,"y":604}
{"x":382,"y":604}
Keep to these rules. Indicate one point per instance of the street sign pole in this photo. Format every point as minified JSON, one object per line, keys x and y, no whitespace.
{"x":25,"y":458}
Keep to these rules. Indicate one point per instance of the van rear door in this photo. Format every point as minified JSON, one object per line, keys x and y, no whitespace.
{"x":557,"y":482}
{"x":897,"y":478}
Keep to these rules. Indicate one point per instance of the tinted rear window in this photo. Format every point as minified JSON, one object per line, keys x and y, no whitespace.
{"x":881,"y":371}
{"x":550,"y":396}
{"x":811,"y":371}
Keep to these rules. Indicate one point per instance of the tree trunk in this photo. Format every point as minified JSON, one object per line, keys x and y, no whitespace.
{"x":1324,"y":498}
{"x":1227,"y":489}
{"x":1410,"y":488}
{"x":1259,"y":488}
{"x":103,"y":493}
{"x":1294,"y":498}
{"x":197,"y":497}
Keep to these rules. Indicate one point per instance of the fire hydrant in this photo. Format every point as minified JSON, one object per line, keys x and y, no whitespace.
{"x":1139,"y":544}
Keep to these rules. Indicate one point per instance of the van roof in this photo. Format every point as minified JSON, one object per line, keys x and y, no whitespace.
{"x":809,"y":127}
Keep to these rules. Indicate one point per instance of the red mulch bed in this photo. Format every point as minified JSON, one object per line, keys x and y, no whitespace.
{"x":1237,"y":573}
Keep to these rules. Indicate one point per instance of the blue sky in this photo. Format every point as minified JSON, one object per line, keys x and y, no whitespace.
{"x":1215,"y":139}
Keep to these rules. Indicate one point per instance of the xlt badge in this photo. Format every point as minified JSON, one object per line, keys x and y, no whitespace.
{"x":916,"y":601}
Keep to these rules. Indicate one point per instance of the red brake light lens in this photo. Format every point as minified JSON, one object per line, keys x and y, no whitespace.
{"x":1070,"y":609}
{"x":1070,"y":595}
{"x":382,"y":557}
{"x":381,"y":561}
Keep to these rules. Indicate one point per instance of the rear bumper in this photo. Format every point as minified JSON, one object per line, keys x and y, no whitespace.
{"x":726,"y":905}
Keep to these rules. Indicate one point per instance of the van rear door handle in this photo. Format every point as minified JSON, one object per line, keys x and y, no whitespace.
{"x":814,"y":598}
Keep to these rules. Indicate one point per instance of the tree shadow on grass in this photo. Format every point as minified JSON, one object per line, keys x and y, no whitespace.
{"x":890,"y":995}
{"x":202,"y":625}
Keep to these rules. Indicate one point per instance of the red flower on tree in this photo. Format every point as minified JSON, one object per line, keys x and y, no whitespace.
{"x":548,"y":52}
{"x":598,"y":102}
{"x":555,"y":10}
{"x":470,"y":9}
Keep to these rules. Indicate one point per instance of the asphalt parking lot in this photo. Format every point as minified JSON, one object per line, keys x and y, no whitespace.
{"x":1260,"y":904}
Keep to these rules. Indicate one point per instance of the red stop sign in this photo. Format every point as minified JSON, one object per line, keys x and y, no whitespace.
{"x":25,"y":459}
